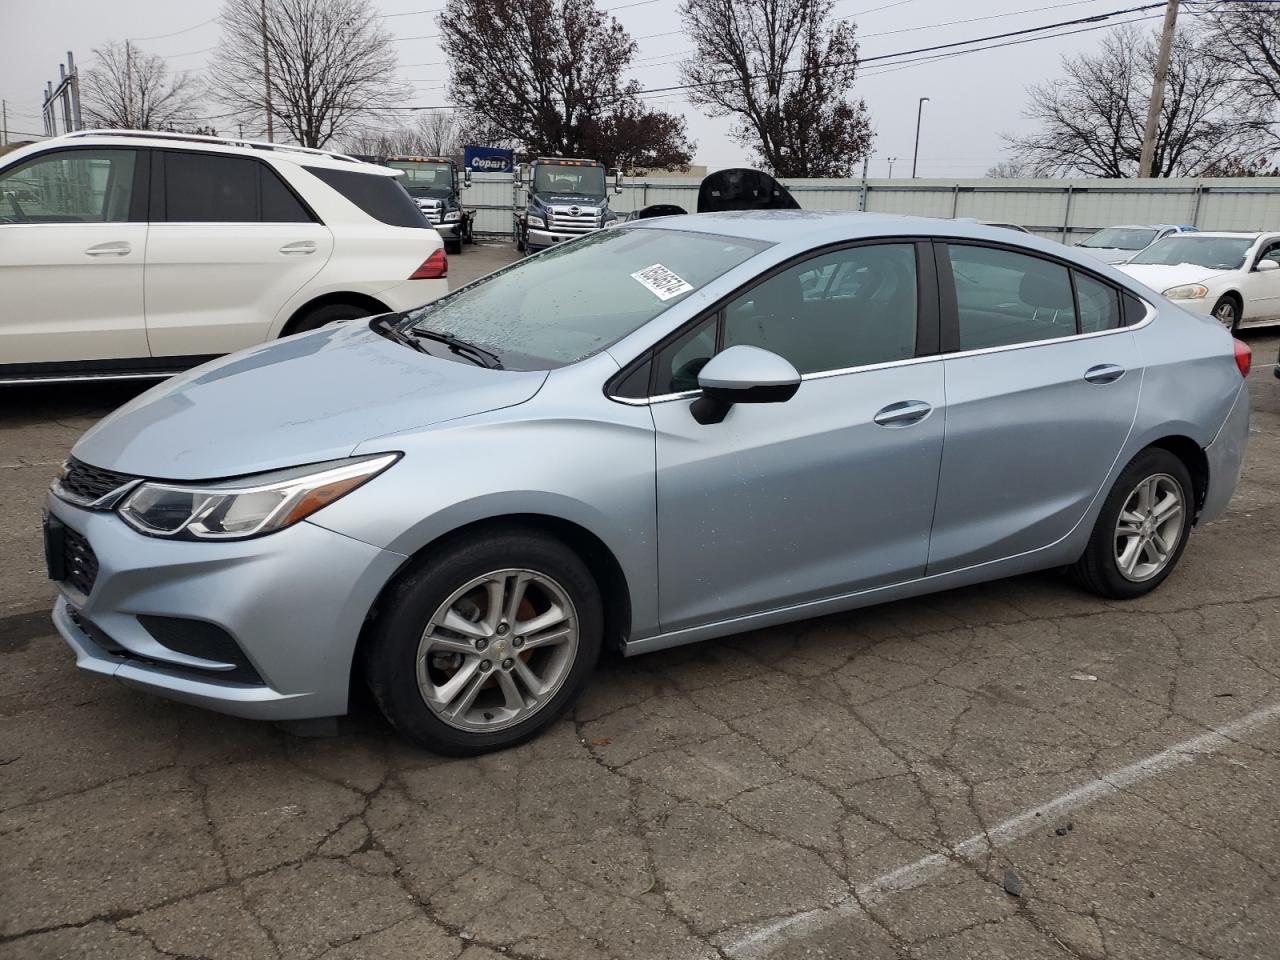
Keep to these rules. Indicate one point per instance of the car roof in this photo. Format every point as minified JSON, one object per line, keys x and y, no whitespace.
{"x":1231,"y":234}
{"x":306,"y":156}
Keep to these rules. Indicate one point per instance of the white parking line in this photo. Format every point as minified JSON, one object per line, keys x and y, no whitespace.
{"x":763,"y":939}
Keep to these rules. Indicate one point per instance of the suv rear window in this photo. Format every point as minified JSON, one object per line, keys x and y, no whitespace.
{"x":381,"y":197}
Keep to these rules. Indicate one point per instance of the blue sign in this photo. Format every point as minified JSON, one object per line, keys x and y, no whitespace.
{"x":488,"y":160}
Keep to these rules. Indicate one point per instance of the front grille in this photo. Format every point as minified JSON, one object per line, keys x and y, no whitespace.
{"x":84,"y":484}
{"x":584,"y":221}
{"x":81,"y":564}
{"x":433,"y":213}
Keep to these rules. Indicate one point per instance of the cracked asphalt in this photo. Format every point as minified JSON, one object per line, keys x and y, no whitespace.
{"x":867,"y":785}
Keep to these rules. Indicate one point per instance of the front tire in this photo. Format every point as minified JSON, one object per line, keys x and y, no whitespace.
{"x":1227,"y":312}
{"x":486,"y":644}
{"x":1142,"y":530}
{"x":453,"y":247}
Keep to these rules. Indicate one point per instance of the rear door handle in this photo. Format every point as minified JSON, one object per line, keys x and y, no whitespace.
{"x":114,"y":248}
{"x":903,"y":413}
{"x":299,"y":247}
{"x":1104,"y":373}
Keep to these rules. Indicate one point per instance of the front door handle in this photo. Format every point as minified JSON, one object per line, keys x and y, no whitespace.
{"x":299,"y":247}
{"x":903,"y":413}
{"x":1104,"y":373}
{"x":114,"y":248}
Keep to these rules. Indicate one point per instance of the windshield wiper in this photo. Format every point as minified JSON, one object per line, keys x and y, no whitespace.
{"x":388,"y":326}
{"x":478,"y":355}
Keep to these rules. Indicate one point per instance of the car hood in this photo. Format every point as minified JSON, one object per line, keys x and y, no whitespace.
{"x":1110,"y":254}
{"x":1160,"y":277}
{"x":308,"y":398}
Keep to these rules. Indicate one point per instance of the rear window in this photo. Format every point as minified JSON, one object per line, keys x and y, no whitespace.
{"x":381,"y":197}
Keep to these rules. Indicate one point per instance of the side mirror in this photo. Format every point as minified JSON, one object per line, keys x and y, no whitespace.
{"x":617,"y":180}
{"x":522,"y":174}
{"x":1265,"y":266}
{"x":742,"y":374}
{"x":466,"y":178}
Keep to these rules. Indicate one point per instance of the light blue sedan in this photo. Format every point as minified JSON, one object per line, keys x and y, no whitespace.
{"x":673,"y":430}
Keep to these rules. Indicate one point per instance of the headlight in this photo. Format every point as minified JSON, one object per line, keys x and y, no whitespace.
{"x":248,"y":507}
{"x":452,"y":216}
{"x":537,"y":222}
{"x":1188,"y":291}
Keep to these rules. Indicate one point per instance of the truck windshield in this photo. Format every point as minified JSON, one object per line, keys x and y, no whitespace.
{"x":568,"y":180}
{"x":425,"y":179}
{"x":576,"y":299}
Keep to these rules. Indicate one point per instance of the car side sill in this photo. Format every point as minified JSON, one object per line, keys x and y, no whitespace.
{"x":84,"y":371}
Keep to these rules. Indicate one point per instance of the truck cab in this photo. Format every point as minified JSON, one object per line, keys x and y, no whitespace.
{"x":563,"y":198}
{"x":434,"y":184}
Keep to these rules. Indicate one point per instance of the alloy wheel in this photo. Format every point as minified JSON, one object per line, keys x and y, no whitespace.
{"x":497,"y":650}
{"x":1149,"y":527}
{"x":1226,"y":314}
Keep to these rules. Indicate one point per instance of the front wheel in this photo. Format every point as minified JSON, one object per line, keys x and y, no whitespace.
{"x":453,"y":247}
{"x":1142,"y":530}
{"x":487,"y":644}
{"x":1227,"y":312}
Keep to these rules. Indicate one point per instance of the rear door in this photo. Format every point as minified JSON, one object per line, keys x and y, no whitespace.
{"x":230,"y":243}
{"x":73,"y":238}
{"x":1042,"y":386}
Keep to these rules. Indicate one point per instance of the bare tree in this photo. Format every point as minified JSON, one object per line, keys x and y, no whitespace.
{"x":125,"y":88}
{"x":1245,"y":37}
{"x":1009,"y":170}
{"x":781,"y":69}
{"x":547,"y":75}
{"x":433,"y":134}
{"x":1092,"y":121}
{"x":332,"y":65}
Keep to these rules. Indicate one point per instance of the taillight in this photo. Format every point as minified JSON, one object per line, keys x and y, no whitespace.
{"x":1244,"y":358}
{"x":434,"y":267}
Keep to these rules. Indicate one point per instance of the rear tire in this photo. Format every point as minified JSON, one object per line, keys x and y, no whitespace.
{"x":329,"y":313}
{"x":442,"y":636}
{"x":1227,"y":312}
{"x":1142,"y":530}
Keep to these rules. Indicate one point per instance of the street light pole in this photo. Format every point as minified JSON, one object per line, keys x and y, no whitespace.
{"x":892,"y":161}
{"x":916,"y":156}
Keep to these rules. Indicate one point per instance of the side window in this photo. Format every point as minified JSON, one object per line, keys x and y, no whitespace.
{"x":279,"y":205}
{"x":679,"y":362}
{"x":383,"y":198}
{"x":1004,"y":297}
{"x":1099,"y":305}
{"x":69,"y":186}
{"x":1271,"y":252}
{"x":207,"y":188}
{"x":848,"y":308}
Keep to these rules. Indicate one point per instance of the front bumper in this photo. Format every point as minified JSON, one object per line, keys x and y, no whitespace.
{"x":293,"y":601}
{"x":538,"y":239}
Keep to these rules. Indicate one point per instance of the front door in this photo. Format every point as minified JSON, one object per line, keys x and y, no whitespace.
{"x":828,"y":493}
{"x":230,"y":245}
{"x":73,"y":238}
{"x":1262,"y":287}
{"x":1039,"y":401}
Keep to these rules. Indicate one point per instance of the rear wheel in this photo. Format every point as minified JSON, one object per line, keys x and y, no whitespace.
{"x":489,"y":643}
{"x":1227,"y":312}
{"x":329,"y":313}
{"x":1142,"y":530}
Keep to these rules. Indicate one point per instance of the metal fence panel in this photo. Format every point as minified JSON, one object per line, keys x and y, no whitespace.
{"x":1066,"y":210}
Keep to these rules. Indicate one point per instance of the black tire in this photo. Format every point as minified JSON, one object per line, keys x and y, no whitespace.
{"x":329,"y":313}
{"x":390,"y":655}
{"x":453,"y":247}
{"x":521,"y":245}
{"x":1098,"y":569}
{"x":471,"y":232}
{"x":1228,"y":305}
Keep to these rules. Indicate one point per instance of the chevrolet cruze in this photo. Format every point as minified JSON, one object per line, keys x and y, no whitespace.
{"x":678,"y":429}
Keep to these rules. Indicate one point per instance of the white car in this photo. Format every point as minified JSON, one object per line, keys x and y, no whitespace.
{"x":1234,"y":277}
{"x":1118,"y":244}
{"x":127,"y":254}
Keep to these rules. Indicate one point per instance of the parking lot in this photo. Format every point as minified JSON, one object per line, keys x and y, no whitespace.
{"x":1015,"y":770}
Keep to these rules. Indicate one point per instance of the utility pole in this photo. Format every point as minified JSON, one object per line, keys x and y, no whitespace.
{"x":916,"y":156}
{"x":892,"y":161}
{"x":74,"y":92}
{"x":4,"y":123}
{"x":1157,"y":88}
{"x":128,"y":85}
{"x":266,"y":75}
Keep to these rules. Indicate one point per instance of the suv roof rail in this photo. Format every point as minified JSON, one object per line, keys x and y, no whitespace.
{"x":205,"y":138}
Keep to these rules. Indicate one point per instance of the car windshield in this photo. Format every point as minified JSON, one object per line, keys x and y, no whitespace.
{"x":559,"y":178}
{"x":425,"y":179}
{"x":1218,"y":253}
{"x":577,"y":298}
{"x":1120,"y":238}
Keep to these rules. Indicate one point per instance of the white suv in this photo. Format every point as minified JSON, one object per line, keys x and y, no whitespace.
{"x":128,"y":254}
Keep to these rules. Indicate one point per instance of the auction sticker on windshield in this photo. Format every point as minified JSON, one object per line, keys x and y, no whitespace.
{"x":663,"y":283}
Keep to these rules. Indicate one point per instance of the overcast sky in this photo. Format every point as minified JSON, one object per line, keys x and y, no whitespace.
{"x":973,"y":98}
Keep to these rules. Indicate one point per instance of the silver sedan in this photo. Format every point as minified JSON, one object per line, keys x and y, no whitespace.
{"x":673,"y":430}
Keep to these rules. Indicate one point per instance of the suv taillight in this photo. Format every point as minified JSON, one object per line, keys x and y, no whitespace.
{"x":435,"y":267}
{"x":1244,"y":358}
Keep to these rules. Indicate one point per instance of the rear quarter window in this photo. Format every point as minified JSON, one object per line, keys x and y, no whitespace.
{"x":381,"y":197}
